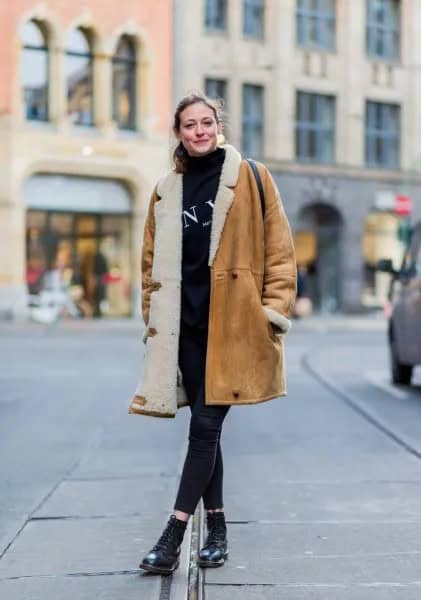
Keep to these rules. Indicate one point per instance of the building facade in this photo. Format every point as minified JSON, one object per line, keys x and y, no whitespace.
{"x":326,"y":93}
{"x":85,"y":107}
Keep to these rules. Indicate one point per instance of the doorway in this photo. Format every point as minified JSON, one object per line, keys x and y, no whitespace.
{"x":318,"y":242}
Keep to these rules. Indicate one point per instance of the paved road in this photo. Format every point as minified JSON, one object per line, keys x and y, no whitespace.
{"x":323,"y":488}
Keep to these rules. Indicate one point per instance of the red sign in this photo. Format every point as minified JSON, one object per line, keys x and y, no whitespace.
{"x":403,"y":205}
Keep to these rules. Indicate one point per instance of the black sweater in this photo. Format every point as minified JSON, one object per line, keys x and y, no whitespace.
{"x":200,"y":184}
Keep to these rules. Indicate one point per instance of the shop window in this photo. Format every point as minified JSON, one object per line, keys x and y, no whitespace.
{"x":380,"y":240}
{"x":36,"y":258}
{"x":61,"y":223}
{"x":34,"y":71}
{"x":79,"y":72}
{"x":124,"y":84}
{"x":86,"y":225}
{"x":115,"y":245}
{"x":81,"y":259}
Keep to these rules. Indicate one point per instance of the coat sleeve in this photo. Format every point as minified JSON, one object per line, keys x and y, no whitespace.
{"x":147,"y":258}
{"x":280,"y":274}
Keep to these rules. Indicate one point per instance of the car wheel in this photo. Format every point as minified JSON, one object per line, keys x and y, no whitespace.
{"x":400,"y":373}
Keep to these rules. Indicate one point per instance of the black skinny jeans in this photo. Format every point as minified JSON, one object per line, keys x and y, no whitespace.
{"x":203,"y":468}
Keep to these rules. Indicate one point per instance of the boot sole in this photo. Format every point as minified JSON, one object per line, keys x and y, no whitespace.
{"x":159,"y":570}
{"x":208,"y":564}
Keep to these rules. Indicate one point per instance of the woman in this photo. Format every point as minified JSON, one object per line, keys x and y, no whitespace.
{"x":218,"y":287}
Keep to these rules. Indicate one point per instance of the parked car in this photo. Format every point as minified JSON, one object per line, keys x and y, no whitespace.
{"x":404,"y":331}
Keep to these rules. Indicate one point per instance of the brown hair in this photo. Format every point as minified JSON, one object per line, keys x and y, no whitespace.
{"x":180,"y":153}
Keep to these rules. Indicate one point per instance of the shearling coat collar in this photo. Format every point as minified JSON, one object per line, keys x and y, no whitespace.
{"x":168,"y":186}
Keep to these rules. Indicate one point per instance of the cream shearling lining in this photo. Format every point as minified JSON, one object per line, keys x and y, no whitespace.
{"x":160,"y":390}
{"x":277,"y":319}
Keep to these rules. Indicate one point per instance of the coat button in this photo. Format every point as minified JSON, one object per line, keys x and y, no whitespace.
{"x":235,"y":393}
{"x":234,"y":275}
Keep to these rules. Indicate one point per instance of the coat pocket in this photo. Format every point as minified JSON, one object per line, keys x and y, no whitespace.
{"x":242,"y":354}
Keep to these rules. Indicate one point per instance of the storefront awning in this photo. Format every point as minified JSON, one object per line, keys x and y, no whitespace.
{"x":76,"y":194}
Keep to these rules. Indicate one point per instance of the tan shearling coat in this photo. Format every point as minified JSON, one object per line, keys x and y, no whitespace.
{"x":253,"y":286}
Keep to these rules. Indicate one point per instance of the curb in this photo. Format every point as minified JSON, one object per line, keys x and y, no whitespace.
{"x":201,"y":572}
{"x":360,"y":407}
{"x":327,"y":324}
{"x":179,"y":584}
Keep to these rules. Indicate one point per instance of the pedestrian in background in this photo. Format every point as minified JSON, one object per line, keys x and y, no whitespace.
{"x":303,"y":305}
{"x":218,"y":287}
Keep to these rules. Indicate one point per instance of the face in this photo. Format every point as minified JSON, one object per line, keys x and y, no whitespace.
{"x":199,"y":129}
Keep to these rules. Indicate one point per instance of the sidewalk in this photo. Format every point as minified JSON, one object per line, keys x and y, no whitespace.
{"x":86,"y":533}
{"x":375,"y":321}
{"x":87,"y":538}
{"x":320,"y":505}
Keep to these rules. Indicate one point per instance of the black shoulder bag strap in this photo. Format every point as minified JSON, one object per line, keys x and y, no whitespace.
{"x":259,"y":185}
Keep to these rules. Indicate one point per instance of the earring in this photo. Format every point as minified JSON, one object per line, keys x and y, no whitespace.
{"x":220,"y":140}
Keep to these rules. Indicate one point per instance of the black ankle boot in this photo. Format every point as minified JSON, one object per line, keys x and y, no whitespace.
{"x":164,"y":556}
{"x":215,"y":550}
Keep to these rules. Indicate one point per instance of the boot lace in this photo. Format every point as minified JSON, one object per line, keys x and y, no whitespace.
{"x":217,"y":532}
{"x":168,"y":541}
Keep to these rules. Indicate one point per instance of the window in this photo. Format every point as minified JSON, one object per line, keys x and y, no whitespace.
{"x":252,"y":121}
{"x":315,"y":127}
{"x":79,"y":69}
{"x":216,"y":15}
{"x":253,"y":18}
{"x":382,"y":135}
{"x":88,"y":255}
{"x":316,"y":24}
{"x":34,"y":71}
{"x":124,"y":84}
{"x":216,"y":89}
{"x":383,"y":29}
{"x":380,"y":240}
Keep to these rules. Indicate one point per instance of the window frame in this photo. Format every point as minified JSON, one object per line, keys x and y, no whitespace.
{"x":250,"y":122}
{"x":132,"y":64}
{"x":322,"y":19}
{"x":90,"y":56}
{"x":218,"y":81}
{"x":46,"y":52}
{"x":374,"y":136}
{"x":376,"y":31}
{"x":305,"y":127}
{"x":249,"y":6}
{"x":210,"y":14}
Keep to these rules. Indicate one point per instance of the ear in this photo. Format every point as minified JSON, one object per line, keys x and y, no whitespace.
{"x":220,"y":127}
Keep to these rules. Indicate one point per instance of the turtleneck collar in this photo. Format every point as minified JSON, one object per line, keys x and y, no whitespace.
{"x":203,"y":163}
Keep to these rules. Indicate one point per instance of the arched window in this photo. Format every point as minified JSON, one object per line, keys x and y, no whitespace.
{"x":34,"y":71}
{"x":124,"y":84}
{"x":79,"y":73}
